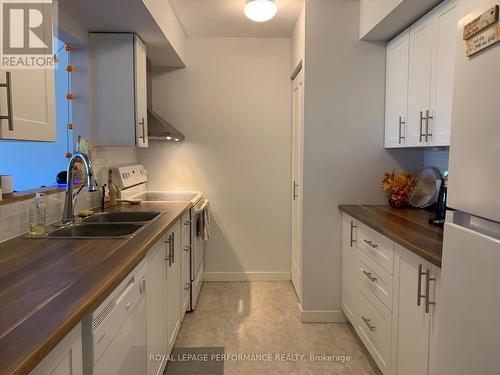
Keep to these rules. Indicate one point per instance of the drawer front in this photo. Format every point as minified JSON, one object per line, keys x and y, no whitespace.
{"x":374,"y":328}
{"x":376,"y":279}
{"x":377,"y":246}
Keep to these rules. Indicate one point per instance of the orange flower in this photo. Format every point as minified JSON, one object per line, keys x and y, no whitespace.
{"x":403,"y":184}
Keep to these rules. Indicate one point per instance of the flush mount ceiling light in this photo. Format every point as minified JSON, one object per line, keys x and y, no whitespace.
{"x":260,"y":10}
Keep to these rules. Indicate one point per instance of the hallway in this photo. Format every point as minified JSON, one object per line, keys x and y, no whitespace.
{"x":262,"y":318}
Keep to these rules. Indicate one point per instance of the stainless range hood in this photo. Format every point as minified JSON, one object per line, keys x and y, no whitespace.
{"x":158,"y":128}
{"x":161,"y":130}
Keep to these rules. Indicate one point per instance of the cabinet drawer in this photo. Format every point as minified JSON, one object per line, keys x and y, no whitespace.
{"x":374,"y":328}
{"x":376,"y":279}
{"x":377,"y":246}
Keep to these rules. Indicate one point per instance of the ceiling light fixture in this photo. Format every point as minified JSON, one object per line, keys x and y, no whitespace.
{"x":260,"y":10}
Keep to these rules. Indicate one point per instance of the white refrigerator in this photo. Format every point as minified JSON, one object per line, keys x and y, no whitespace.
{"x":468,"y":315}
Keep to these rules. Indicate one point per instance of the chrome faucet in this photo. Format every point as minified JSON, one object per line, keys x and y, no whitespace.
{"x":70,"y":200}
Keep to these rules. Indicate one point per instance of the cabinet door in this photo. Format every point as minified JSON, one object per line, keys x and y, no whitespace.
{"x":349,"y":280}
{"x":443,"y":70}
{"x":141,"y":102}
{"x":413,"y":322}
{"x":173,"y":285}
{"x":32,"y":105}
{"x":419,"y":86}
{"x":396,"y":101}
{"x":156,"y":293}
{"x":65,"y":359}
{"x":185,"y":264}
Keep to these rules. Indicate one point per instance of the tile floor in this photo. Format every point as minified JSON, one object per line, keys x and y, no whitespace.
{"x":262,"y":318}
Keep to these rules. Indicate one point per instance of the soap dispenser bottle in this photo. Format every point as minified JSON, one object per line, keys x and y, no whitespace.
{"x":37,"y":217}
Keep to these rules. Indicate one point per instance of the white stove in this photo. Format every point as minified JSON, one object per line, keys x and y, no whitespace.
{"x":132,"y":183}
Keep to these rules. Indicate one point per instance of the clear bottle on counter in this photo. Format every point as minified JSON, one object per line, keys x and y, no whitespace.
{"x":37,"y":217}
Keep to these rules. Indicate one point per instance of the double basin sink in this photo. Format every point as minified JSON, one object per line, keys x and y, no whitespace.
{"x":115,"y":225}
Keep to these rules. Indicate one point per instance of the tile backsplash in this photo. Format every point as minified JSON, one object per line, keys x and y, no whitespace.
{"x":14,"y":217}
{"x":437,"y":158}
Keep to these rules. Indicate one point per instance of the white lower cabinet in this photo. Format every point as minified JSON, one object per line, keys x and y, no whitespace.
{"x":156,"y":305}
{"x":163,"y":298}
{"x":389,"y":294}
{"x":349,"y":281}
{"x":374,"y":328}
{"x":66,"y":358}
{"x":416,"y":282}
{"x":185,"y":264}
{"x":173,"y":285}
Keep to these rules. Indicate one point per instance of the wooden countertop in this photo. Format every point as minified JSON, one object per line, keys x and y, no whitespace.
{"x":48,"y":286}
{"x":408,"y":227}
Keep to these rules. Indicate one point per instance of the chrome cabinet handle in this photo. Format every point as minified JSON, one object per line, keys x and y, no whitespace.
{"x":186,"y":286}
{"x":422,"y":118}
{"x":371,"y":244}
{"x":427,"y":118}
{"x":187,"y":248}
{"x":143,"y":129}
{"x":169,"y":256}
{"x":419,"y":285}
{"x":142,"y":286}
{"x":10,"y":115}
{"x":369,"y":275}
{"x":428,"y":280}
{"x":187,"y":222}
{"x":367,"y":322}
{"x":295,"y":186}
{"x":401,"y":123}
{"x":173,"y":247}
{"x":352,"y":232}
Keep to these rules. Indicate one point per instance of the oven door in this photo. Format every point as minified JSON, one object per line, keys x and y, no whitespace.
{"x":198,"y":249}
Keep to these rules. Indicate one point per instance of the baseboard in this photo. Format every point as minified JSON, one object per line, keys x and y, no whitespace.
{"x":247,"y":276}
{"x":319,"y":316}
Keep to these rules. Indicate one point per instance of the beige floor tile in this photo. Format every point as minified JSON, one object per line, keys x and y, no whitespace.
{"x":263,"y":317}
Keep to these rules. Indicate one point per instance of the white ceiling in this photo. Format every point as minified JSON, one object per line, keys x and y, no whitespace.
{"x":225,"y":18}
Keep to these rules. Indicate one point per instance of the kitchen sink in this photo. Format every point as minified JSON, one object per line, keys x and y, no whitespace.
{"x":122,"y":217}
{"x":98,"y":230}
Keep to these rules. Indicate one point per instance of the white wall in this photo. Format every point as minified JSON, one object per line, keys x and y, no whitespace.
{"x":233,"y":103}
{"x":297,"y":40}
{"x":374,"y":11}
{"x":344,"y":158}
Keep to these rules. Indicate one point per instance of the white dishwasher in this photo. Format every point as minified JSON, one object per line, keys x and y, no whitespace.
{"x":114,"y":335}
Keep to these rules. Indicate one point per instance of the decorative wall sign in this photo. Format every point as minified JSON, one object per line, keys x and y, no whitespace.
{"x":481,"y":22}
{"x":482,"y":40}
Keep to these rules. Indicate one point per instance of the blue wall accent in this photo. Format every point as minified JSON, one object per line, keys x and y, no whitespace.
{"x":36,"y":164}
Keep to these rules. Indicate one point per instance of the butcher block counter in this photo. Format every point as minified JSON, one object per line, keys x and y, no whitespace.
{"x":47,"y":286}
{"x":408,"y":227}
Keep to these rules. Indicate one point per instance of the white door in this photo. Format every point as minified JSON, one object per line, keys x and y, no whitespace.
{"x":173,"y":285}
{"x":156,"y":295}
{"x":412,"y":320}
{"x":141,"y":92}
{"x":468,"y":334}
{"x":297,"y":162}
{"x":32,"y":105}
{"x":396,"y":106}
{"x":349,"y":282}
{"x":419,"y":86}
{"x":443,"y":71}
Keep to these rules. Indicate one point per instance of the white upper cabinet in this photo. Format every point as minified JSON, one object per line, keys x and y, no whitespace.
{"x":118,"y":90}
{"x":443,"y":71}
{"x":396,"y":109}
{"x":430,"y":70}
{"x":27,"y":97}
{"x":419,"y":86}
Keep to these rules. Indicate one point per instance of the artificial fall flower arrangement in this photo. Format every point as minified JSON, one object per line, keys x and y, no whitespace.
{"x":399,"y":187}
